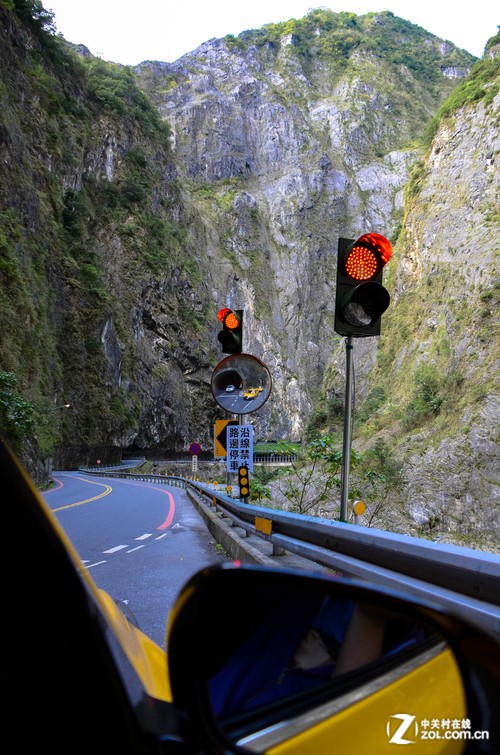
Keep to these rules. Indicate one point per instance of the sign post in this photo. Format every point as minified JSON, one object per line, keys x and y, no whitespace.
{"x":194,"y":450}
{"x":241,"y":384}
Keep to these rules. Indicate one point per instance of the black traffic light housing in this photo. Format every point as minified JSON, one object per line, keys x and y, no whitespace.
{"x":231,"y":335}
{"x":243,"y":482}
{"x":361,"y":299}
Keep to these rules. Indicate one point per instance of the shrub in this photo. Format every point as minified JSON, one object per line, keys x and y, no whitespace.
{"x":16,"y":414}
{"x":427,"y":395}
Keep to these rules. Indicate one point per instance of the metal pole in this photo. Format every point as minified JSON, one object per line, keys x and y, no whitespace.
{"x":347,"y":440}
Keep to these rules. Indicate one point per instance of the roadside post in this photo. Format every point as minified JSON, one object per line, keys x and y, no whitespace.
{"x":194,"y":449}
{"x":359,"y":509}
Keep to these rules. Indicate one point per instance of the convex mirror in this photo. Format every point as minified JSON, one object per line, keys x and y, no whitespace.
{"x":241,"y":383}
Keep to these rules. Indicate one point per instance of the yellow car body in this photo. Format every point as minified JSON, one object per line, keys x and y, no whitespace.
{"x":252,"y":393}
{"x":361,"y":726}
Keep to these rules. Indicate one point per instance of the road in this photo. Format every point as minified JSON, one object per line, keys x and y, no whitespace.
{"x":236,"y":403}
{"x":139,"y":541}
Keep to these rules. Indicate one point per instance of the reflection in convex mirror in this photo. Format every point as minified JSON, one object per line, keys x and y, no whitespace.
{"x":241,"y":383}
{"x":276,"y":659}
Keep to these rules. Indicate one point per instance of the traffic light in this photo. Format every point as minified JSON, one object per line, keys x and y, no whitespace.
{"x":361,"y":298}
{"x":243,"y":482}
{"x":231,"y":335}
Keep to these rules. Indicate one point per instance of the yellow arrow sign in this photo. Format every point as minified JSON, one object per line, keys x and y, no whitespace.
{"x":220,"y":449}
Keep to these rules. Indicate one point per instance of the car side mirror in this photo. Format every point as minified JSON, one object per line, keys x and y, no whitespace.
{"x":259,"y":658}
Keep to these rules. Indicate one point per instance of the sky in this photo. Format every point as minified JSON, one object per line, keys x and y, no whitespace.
{"x":131,"y":31}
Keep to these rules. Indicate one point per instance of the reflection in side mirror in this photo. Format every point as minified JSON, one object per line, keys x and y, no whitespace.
{"x":307,"y":645}
{"x":276,"y":654}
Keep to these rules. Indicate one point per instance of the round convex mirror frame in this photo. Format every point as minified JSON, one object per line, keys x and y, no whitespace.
{"x":241,"y":383}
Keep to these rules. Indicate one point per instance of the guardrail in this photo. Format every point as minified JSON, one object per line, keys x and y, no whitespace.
{"x":273,"y":458}
{"x":461,"y":578}
{"x":269,"y":458}
{"x":179,"y":482}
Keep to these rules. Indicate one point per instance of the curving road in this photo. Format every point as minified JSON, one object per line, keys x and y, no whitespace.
{"x":139,"y":541}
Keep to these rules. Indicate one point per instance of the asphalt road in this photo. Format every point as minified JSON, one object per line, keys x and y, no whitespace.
{"x":139,"y":541}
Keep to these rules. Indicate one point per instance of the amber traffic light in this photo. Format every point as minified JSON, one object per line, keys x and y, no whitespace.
{"x":243,"y":482}
{"x":361,"y":299}
{"x":231,"y":335}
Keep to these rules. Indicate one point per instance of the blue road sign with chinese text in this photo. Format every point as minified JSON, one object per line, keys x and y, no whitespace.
{"x":239,"y":445}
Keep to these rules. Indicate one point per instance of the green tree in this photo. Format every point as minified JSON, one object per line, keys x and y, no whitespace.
{"x":313,"y":478}
{"x":16,"y":414}
{"x":313,"y":472}
{"x":34,"y":14}
{"x":378,"y":482}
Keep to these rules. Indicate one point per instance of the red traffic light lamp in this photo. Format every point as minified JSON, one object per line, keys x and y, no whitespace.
{"x":361,"y":299}
{"x":231,"y":335}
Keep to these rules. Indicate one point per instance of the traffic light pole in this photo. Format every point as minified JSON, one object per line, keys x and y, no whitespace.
{"x":347,"y":439}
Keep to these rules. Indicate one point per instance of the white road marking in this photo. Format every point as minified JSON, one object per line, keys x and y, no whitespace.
{"x":117,"y":548}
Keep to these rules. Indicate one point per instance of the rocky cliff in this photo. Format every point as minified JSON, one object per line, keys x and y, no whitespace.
{"x":134,"y":204}
{"x":287,"y":138}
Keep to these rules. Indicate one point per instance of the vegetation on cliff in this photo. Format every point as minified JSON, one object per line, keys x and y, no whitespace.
{"x":121,"y":230}
{"x":83,"y":191}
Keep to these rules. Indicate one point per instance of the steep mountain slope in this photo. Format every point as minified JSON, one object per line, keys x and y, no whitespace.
{"x":129,"y":217}
{"x":93,"y":239}
{"x":287,"y":138}
{"x":434,"y":389}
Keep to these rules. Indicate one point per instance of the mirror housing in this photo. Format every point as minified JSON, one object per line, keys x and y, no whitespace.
{"x":238,"y":623}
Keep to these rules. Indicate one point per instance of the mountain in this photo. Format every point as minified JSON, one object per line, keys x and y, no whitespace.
{"x":135,"y":203}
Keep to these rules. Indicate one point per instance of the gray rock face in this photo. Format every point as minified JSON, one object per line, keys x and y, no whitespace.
{"x":296,"y":159}
{"x":450,"y":262}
